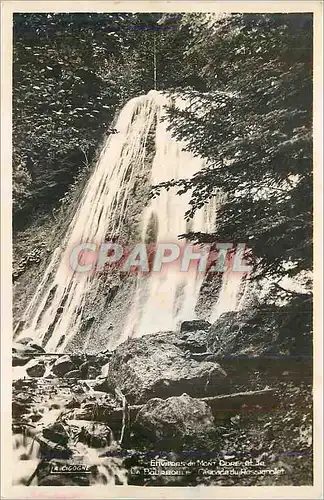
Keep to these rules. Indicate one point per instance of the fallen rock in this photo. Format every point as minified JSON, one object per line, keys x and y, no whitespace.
{"x":152,"y":366}
{"x":74,"y":403}
{"x":63,"y":365}
{"x":226,"y":334}
{"x":37,"y":369}
{"x":24,"y":351}
{"x":25,"y":398}
{"x":56,"y":433}
{"x":20,"y":359}
{"x":175,"y":424}
{"x":50,"y":449}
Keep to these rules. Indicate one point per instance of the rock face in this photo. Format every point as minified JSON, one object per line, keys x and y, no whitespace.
{"x":233,"y":334}
{"x":264,"y":331}
{"x":153,"y":366}
{"x":194,"y":341}
{"x":175,"y":424}
{"x":194,"y":325}
{"x":62,"y":366}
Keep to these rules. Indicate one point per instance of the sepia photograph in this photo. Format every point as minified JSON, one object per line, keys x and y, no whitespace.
{"x":162,"y":231}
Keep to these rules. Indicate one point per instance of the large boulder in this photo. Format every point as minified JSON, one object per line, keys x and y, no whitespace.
{"x":153,"y":366}
{"x":194,"y":341}
{"x":175,"y":424}
{"x":265,"y":331}
{"x":62,"y":366}
{"x":36,"y":368}
{"x":24,"y":350}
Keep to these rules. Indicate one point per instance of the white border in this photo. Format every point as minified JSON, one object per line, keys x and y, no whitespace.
{"x":278,"y":492}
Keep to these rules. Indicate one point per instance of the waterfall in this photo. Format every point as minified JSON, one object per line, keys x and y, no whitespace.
{"x":161,"y":300}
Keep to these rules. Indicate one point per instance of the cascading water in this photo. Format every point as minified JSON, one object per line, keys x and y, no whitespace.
{"x":161,"y":300}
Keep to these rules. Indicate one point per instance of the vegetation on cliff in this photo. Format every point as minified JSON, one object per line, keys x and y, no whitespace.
{"x":248,"y":80}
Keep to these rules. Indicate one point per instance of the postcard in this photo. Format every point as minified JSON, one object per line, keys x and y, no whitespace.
{"x":161,"y":249}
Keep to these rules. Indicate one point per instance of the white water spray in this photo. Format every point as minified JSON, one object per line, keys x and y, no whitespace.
{"x":161,"y":301}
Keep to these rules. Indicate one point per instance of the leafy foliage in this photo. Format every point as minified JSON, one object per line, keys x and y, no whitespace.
{"x":248,"y":82}
{"x":254,"y":127}
{"x":71,"y":73}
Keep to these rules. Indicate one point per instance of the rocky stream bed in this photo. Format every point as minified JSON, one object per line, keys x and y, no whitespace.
{"x":163,"y":409}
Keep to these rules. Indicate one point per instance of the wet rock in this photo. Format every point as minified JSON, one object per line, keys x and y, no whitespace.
{"x":56,"y":433}
{"x":107,"y":353}
{"x":22,"y":352}
{"x":95,"y":435}
{"x":103,"y":358}
{"x":194,"y":325}
{"x":100,"y":412}
{"x":21,"y":403}
{"x":78,"y":389}
{"x":62,"y":366}
{"x":20,"y":359}
{"x":24,"y":384}
{"x":176,"y":423}
{"x":35,"y":417}
{"x":91,"y":368}
{"x":37,"y":369}
{"x":152,"y":366}
{"x":73,"y":374}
